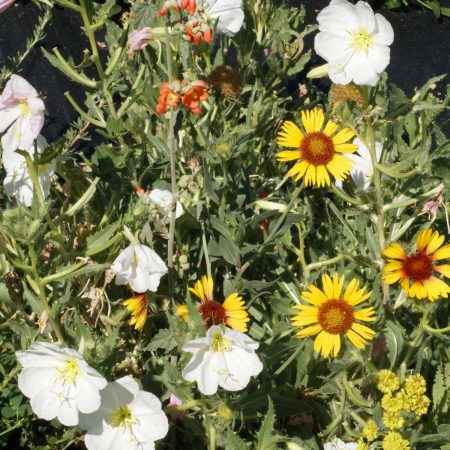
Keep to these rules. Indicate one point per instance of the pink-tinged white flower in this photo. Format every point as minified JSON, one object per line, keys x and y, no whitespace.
{"x":222,"y":358}
{"x":137,"y":40}
{"x":163,"y":199}
{"x":140,"y":267}
{"x":174,"y":402}
{"x":227,"y":13}
{"x":17,"y":182}
{"x":128,"y":419}
{"x":354,"y":41}
{"x":21,"y":113}
{"x":362,"y":170}
{"x":59,"y":382}
{"x":4,"y":4}
{"x":337,"y":444}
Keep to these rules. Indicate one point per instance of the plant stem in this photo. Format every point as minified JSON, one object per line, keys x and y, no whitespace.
{"x":173,"y":175}
{"x":43,"y":296}
{"x":379,"y":205}
{"x":205,"y":250}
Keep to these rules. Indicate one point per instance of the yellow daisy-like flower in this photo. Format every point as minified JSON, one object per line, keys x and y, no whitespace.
{"x":232,"y":311}
{"x":319,"y":151}
{"x":416,"y":272}
{"x":137,"y":305}
{"x":333,"y":315}
{"x":393,"y":420}
{"x":387,"y":381}
{"x":395,"y":441}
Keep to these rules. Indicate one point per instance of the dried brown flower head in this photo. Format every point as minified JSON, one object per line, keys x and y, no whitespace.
{"x":340,"y":93}
{"x":226,"y":80}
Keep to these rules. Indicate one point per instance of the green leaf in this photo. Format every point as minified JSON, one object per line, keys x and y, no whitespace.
{"x":266,"y":439}
{"x":394,"y":339}
{"x":234,"y":442}
{"x":163,"y":339}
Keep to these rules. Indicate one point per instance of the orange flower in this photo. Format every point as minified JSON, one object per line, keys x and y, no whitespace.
{"x":194,"y":95}
{"x":189,"y":5}
{"x":167,"y":97}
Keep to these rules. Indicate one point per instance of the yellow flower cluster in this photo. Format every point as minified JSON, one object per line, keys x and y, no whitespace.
{"x":394,"y":441}
{"x":370,"y":431}
{"x":411,"y":398}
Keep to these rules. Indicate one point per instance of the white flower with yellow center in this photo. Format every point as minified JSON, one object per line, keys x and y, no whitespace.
{"x":21,"y":113}
{"x":59,"y":382}
{"x":128,"y":419}
{"x":226,"y":359}
{"x":354,"y":41}
{"x":227,"y":13}
{"x":140,"y":267}
{"x":17,"y":182}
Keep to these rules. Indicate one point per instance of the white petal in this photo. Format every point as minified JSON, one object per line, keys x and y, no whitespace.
{"x":45,"y":405}
{"x":365,"y":16}
{"x":379,"y":57}
{"x":87,"y":395}
{"x":8,"y":114}
{"x":385,"y":33}
{"x":360,"y":70}
{"x":33,"y":380}
{"x":153,"y":422}
{"x":331,"y":47}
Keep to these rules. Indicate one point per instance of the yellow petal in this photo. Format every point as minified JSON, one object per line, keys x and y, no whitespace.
{"x":346,"y":148}
{"x":435,"y":242}
{"x":364,"y":331}
{"x":442,"y":253}
{"x":343,"y":136}
{"x":395,"y":250}
{"x":288,"y":155}
{"x":423,"y":238}
{"x":290,"y":135}
{"x":309,"y":331}
{"x":393,"y":277}
{"x":444,"y":269}
{"x":330,"y":128}
{"x":323,"y":179}
{"x":355,"y":339}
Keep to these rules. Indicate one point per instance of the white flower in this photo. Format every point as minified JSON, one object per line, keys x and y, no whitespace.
{"x":163,"y":199}
{"x":140,"y":267}
{"x":128,"y":419}
{"x":337,"y":444}
{"x":18,"y":183}
{"x":354,"y":41}
{"x":229,"y":13}
{"x":362,"y":170}
{"x":23,"y":112}
{"x":225,"y":359}
{"x":58,"y":382}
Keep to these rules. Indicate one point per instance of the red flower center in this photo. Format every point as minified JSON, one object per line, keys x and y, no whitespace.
{"x":317,"y":148}
{"x":418,"y":267}
{"x":213,"y":313}
{"x":335,"y":316}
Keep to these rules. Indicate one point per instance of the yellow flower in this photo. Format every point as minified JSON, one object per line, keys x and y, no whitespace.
{"x":388,"y":381}
{"x":393,"y":420}
{"x":362,"y":445}
{"x":318,"y":152}
{"x":333,"y":314}
{"x":391,"y":404}
{"x":232,"y":311}
{"x":418,"y":268}
{"x":415,"y":384}
{"x":394,"y":441}
{"x":137,"y":305}
{"x":370,"y":431}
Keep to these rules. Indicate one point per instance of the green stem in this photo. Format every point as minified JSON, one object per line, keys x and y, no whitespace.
{"x":345,"y":197}
{"x":43,"y":296}
{"x":333,"y":425}
{"x":205,"y":250}
{"x":173,"y":175}
{"x":436,"y":330}
{"x":379,"y":205}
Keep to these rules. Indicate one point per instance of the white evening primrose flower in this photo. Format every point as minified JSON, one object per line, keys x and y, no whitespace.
{"x":128,"y":419}
{"x":337,"y":444}
{"x":362,"y":170}
{"x":354,"y":41}
{"x":140,"y":267}
{"x":227,"y":13}
{"x":22,"y":113}
{"x":163,"y":199}
{"x":17,"y":182}
{"x":225,"y":359}
{"x":58,"y":382}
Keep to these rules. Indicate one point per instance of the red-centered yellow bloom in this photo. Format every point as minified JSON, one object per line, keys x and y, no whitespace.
{"x":137,"y":305}
{"x":319,"y":151}
{"x":416,"y":272}
{"x":232,"y":311}
{"x":333,"y":315}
